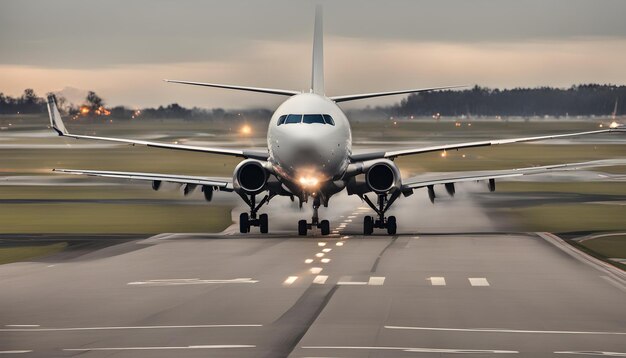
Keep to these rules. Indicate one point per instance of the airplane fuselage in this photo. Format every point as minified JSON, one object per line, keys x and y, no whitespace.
{"x":309,"y":141}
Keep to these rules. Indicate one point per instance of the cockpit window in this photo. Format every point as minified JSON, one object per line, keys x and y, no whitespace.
{"x":305,"y":118}
{"x":313,"y":118}
{"x":293,"y":118}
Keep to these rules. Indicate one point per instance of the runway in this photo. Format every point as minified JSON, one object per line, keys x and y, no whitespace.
{"x":410,"y":295}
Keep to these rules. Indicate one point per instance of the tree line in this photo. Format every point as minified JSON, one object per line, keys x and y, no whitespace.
{"x":578,"y":100}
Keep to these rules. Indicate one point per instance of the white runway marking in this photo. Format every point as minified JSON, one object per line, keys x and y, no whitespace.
{"x":493,"y":330}
{"x":319,"y":254}
{"x":15,"y":352}
{"x":418,"y":349}
{"x":351,"y":216}
{"x":214,"y":346}
{"x":290,"y":280}
{"x":115,"y":328}
{"x":22,"y":325}
{"x":478,"y":281}
{"x":339,"y":243}
{"x":322,"y":244}
{"x":316,"y":270}
{"x":594,"y":353}
{"x":308,"y":261}
{"x":189,"y":281}
{"x":352,"y":283}
{"x":327,"y":250}
{"x":320,"y":279}
{"x":437,"y":281}
{"x":325,"y":261}
{"x":376,"y":281}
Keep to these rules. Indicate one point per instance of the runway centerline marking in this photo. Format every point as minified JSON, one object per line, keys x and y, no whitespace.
{"x":325,"y":261}
{"x":478,"y":281}
{"x":213,"y":346}
{"x":437,"y":281}
{"x":308,"y":261}
{"x":493,"y":330}
{"x":316,"y":270}
{"x":290,"y":280}
{"x":327,"y":250}
{"x":111,"y":328}
{"x":189,"y":281}
{"x":320,"y":279}
{"x":418,"y":349}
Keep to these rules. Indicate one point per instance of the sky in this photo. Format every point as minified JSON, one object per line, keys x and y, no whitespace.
{"x":122,"y":49}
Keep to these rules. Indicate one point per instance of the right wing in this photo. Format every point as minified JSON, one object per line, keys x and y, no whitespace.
{"x":57,"y":124}
{"x":485,"y":143}
{"x":222,"y":184}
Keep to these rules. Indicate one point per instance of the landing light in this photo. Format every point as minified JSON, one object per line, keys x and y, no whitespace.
{"x":308,"y":181}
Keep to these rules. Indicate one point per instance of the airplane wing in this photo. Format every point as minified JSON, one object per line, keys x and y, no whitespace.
{"x":456,"y":177}
{"x":354,"y":97}
{"x":396,"y":153}
{"x":57,"y":124}
{"x":222,"y":184}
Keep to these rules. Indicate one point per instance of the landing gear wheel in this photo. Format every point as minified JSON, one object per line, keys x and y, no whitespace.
{"x":263,"y":223}
{"x":368,"y":225}
{"x":244,"y":223}
{"x":391,"y":225}
{"x":302,"y":227}
{"x":325,"y":227}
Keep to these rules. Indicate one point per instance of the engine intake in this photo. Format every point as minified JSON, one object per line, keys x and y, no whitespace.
{"x":382,"y":176}
{"x":250,"y":176}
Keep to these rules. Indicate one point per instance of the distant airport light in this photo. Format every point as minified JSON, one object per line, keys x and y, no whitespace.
{"x":245,"y":130}
{"x":614,"y":125}
{"x":444,"y":154}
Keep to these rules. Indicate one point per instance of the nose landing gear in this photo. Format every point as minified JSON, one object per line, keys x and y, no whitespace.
{"x":381,"y":222}
{"x":323,"y":225}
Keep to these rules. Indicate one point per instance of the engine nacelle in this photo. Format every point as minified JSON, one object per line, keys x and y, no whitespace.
{"x":250,"y":176}
{"x":382,"y":176}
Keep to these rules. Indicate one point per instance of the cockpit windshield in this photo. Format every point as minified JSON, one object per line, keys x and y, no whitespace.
{"x":306,"y":118}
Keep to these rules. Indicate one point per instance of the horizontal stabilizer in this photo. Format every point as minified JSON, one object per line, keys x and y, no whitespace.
{"x":280,"y":92}
{"x":354,"y":97}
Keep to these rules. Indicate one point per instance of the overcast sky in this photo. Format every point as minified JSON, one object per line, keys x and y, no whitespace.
{"x":122,"y":49}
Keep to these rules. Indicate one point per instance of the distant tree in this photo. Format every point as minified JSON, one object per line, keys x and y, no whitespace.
{"x":94,"y":101}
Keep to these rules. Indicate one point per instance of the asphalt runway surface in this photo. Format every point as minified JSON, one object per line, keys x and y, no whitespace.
{"x":279,"y":295}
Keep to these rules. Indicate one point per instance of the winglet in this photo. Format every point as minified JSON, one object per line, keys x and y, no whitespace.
{"x":55,"y":117}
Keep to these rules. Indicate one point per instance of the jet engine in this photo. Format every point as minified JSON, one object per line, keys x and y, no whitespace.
{"x":382,"y":176}
{"x":250,"y":176}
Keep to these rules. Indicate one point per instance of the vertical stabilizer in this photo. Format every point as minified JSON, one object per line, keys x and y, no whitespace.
{"x":317,"y":79}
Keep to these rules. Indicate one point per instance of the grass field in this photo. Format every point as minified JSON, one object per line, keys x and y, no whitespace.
{"x":25,"y":253}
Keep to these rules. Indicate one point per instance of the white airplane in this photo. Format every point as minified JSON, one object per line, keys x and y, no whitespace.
{"x":309,"y":156}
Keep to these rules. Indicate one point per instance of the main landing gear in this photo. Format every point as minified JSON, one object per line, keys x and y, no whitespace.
{"x":247,"y":220}
{"x":381,"y":222}
{"x":323,"y":225}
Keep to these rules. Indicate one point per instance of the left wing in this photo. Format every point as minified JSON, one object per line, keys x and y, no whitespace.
{"x":57,"y":124}
{"x":396,"y":153}
{"x":455,"y":177}
{"x":222,"y":184}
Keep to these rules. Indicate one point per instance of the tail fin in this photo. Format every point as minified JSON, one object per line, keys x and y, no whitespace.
{"x":317,"y":78}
